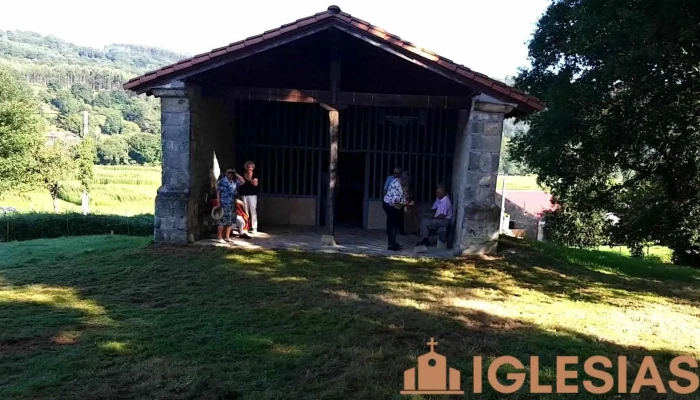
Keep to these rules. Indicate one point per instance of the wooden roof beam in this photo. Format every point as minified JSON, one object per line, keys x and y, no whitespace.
{"x":349,"y":98}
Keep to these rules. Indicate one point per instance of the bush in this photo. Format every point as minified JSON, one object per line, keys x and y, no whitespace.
{"x":113,"y":151}
{"x":568,"y":227}
{"x":145,"y":148}
{"x":48,"y":225}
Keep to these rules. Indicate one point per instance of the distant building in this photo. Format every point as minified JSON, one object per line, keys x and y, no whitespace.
{"x":525,"y":208}
{"x":66,"y":137}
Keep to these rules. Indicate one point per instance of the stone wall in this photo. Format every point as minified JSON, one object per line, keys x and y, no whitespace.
{"x":460,"y":163}
{"x":171,"y":222}
{"x":283,"y":210}
{"x":476,"y":166}
{"x":520,"y":218}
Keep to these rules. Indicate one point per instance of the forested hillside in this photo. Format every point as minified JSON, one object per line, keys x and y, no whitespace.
{"x":69,"y":79}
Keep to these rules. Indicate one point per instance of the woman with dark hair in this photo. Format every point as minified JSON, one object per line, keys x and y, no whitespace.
{"x":394,"y":202}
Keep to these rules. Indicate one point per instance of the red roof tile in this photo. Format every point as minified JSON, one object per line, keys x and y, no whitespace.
{"x":447,"y":65}
{"x":306,"y":21}
{"x":333,"y":14}
{"x":359,"y":24}
{"x":235,"y":46}
{"x":465,"y":72}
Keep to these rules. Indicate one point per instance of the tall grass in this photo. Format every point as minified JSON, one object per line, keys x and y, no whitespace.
{"x":114,"y":190}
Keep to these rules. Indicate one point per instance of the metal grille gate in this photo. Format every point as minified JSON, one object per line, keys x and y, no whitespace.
{"x":289,"y":144}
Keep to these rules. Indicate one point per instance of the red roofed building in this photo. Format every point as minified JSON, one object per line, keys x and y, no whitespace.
{"x":326,"y":106}
{"x":525,"y":208}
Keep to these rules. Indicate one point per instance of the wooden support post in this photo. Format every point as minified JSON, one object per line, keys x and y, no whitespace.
{"x":332,"y":171}
{"x":333,"y":117}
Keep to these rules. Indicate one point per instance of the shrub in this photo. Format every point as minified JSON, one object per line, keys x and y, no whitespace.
{"x":145,"y":148}
{"x":28,"y":226}
{"x":568,"y":227}
{"x":113,"y":151}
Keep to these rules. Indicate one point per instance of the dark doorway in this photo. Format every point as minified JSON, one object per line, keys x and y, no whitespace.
{"x":349,"y":210}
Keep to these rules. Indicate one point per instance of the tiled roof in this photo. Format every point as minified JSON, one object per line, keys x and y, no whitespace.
{"x":335,"y":16}
{"x":533,"y":202}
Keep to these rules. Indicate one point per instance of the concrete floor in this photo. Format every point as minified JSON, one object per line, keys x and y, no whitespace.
{"x":348,"y":241}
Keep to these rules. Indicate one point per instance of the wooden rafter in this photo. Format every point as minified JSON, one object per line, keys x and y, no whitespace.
{"x":350,"y":98}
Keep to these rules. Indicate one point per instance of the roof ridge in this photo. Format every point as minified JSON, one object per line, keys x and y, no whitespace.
{"x":333,"y":13}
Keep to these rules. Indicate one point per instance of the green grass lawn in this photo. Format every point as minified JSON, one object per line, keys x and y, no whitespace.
{"x":659,"y":254}
{"x":115,"y":318}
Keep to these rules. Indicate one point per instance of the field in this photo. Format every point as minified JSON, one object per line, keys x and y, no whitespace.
{"x":527,"y":182}
{"x":132,"y":189}
{"x":117,"y":190}
{"x":114,"y":318}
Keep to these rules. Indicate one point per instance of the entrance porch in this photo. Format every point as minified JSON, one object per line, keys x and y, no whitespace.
{"x":356,"y":241}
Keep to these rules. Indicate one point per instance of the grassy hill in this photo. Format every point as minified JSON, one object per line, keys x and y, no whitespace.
{"x":69,"y":79}
{"x":37,"y":55}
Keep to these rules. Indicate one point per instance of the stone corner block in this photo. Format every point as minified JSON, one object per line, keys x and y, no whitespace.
{"x":328,"y":240}
{"x":493,"y":128}
{"x":175,"y":105}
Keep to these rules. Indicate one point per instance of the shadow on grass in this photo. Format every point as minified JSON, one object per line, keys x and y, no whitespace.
{"x":597,"y":276}
{"x":210,"y":324}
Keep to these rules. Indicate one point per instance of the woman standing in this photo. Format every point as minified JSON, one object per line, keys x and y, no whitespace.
{"x":394,"y":202}
{"x":249,"y":194}
{"x":226,"y":194}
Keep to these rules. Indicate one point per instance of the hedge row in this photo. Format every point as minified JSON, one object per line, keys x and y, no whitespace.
{"x":30,"y":226}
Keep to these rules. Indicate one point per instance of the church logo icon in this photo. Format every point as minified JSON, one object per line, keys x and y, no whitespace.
{"x":431,"y":374}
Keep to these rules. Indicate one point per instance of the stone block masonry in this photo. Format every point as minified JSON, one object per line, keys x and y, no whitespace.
{"x":171,"y":222}
{"x":476,"y":158}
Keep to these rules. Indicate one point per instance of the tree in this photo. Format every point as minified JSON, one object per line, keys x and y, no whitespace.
{"x":133,"y":112}
{"x":129,"y":128}
{"x":72,"y":122}
{"x":83,"y":92}
{"x":113,"y":123}
{"x":54,"y":166}
{"x":621,"y":81}
{"x":568,"y":227}
{"x":20,"y":132}
{"x":113,"y":151}
{"x":66,"y":103}
{"x":145,"y":148}
{"x":86,"y":156}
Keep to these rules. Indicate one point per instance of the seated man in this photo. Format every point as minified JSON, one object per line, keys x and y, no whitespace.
{"x":441,"y":216}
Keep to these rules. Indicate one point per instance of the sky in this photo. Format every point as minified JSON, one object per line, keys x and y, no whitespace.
{"x":488,"y":36}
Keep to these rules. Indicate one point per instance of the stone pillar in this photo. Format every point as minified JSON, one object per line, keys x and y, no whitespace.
{"x":478,"y":154}
{"x":171,"y":214}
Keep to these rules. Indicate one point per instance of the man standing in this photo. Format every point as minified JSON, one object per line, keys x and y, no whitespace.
{"x":439,"y":215}
{"x":226,"y":193}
